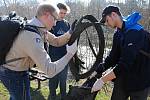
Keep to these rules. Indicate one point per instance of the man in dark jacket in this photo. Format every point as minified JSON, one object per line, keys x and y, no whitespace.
{"x":61,"y":27}
{"x":131,"y":67}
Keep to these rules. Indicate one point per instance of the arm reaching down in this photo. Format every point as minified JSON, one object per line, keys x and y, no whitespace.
{"x":63,"y":39}
{"x":35,"y":50}
{"x":58,"y":41}
{"x":100,"y":82}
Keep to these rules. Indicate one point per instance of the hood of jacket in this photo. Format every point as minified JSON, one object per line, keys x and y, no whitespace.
{"x":131,"y":21}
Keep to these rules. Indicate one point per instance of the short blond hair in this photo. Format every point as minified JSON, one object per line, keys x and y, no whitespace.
{"x":43,"y":8}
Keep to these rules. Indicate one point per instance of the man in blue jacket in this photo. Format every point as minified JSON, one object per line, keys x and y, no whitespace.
{"x":62,"y":26}
{"x":131,"y":68}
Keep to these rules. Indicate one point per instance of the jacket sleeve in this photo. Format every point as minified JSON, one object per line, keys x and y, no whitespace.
{"x":58,"y":41}
{"x":112,"y":59}
{"x":133,"y":42}
{"x":34,"y":47}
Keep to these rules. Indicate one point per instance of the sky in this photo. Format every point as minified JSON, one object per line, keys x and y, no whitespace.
{"x":85,"y":1}
{"x":56,"y":1}
{"x":116,"y":0}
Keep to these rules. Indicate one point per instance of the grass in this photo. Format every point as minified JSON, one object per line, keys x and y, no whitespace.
{"x":3,"y":92}
{"x":43,"y":93}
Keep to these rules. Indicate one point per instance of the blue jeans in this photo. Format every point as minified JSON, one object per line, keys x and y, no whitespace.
{"x":58,"y":79}
{"x":16,"y":82}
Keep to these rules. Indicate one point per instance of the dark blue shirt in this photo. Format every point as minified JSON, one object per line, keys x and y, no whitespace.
{"x":58,"y":30}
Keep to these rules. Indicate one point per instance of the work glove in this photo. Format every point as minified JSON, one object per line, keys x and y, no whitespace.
{"x":77,"y":28}
{"x":97,"y":85}
{"x":72,"y":27}
{"x":72,"y":48}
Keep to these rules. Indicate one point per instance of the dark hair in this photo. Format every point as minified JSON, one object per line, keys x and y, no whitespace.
{"x":62,"y":6}
{"x":118,"y":12}
{"x":108,"y":10}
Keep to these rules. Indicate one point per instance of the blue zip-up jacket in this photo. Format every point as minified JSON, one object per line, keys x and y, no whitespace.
{"x":58,"y":30}
{"x":129,"y":63}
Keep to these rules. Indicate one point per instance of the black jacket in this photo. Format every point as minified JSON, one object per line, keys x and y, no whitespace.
{"x":129,"y":63}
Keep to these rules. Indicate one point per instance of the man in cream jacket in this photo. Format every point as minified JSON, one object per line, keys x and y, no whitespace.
{"x":30,"y":47}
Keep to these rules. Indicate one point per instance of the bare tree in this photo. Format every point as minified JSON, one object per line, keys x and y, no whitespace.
{"x":5,"y":4}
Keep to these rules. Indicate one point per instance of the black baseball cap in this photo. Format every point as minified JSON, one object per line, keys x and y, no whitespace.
{"x":108,"y":10}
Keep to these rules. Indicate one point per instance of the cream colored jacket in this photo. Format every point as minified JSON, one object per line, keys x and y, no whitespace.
{"x":30,"y":46}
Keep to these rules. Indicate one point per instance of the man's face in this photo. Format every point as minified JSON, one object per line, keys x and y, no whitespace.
{"x":62,"y":14}
{"x":110,"y":21}
{"x":50,"y":20}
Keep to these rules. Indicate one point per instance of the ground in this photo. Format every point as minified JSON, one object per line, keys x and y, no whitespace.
{"x":42,"y":94}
